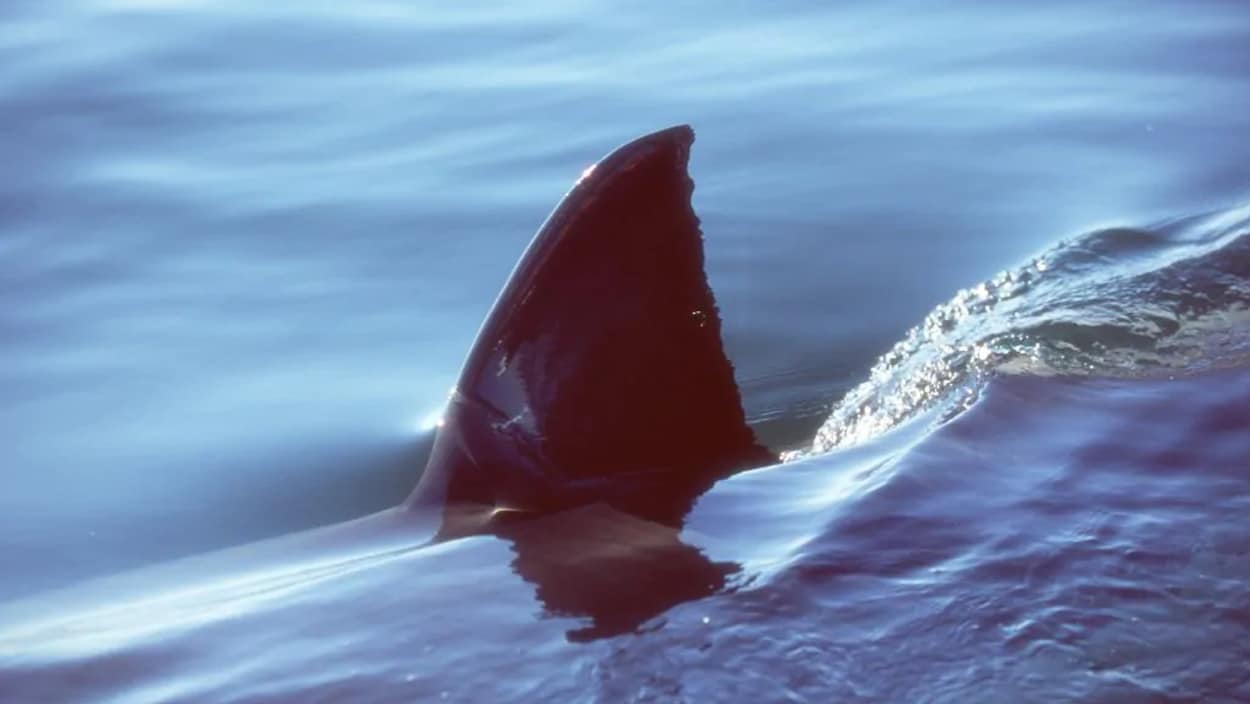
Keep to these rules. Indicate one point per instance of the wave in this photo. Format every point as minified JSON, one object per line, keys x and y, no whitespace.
{"x":1173,"y":298}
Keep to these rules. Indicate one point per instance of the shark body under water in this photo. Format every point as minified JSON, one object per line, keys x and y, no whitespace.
{"x":593,"y":410}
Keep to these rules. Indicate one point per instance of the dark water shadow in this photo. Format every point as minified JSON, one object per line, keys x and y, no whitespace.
{"x":616,"y":570}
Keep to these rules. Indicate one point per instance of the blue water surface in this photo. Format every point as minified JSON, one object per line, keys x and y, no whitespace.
{"x":246,"y":245}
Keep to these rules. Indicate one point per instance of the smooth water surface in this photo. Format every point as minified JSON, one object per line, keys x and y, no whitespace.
{"x":245,"y":247}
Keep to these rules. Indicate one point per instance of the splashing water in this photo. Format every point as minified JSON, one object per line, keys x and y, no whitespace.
{"x":1118,"y":302}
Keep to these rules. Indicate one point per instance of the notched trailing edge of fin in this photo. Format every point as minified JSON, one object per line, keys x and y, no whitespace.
{"x":599,"y":373}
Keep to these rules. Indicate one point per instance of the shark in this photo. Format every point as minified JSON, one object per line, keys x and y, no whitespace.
{"x":593,"y":410}
{"x":597,"y":521}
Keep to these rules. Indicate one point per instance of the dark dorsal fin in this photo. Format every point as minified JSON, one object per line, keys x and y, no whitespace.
{"x":599,"y":374}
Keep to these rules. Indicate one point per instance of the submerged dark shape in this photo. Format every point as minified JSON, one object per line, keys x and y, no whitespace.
{"x":618,"y":570}
{"x":597,"y":403}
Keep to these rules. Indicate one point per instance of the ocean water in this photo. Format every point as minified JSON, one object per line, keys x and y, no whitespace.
{"x":984,"y":273}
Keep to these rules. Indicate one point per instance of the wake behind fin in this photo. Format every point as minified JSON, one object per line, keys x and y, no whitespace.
{"x":599,"y":374}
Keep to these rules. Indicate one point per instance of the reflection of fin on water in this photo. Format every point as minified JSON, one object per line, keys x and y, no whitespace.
{"x":598,"y":380}
{"x":619,"y":570}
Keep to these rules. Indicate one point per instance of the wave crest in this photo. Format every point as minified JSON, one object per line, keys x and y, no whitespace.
{"x":1122,"y":302}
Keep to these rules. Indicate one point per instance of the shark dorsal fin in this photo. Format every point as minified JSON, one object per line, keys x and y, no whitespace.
{"x":599,"y":373}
